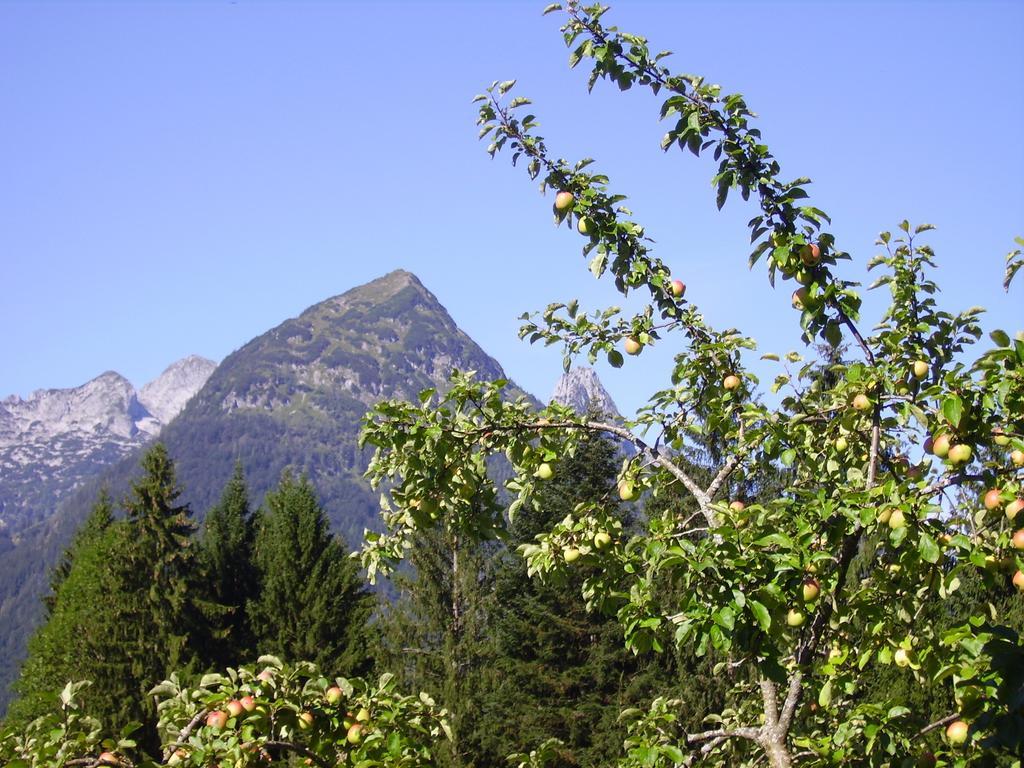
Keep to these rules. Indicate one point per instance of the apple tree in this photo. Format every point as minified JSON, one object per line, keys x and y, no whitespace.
{"x":270,"y":714}
{"x":903,"y":445}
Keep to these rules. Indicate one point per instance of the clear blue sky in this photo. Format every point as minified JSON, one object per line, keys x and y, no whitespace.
{"x":178,"y":178}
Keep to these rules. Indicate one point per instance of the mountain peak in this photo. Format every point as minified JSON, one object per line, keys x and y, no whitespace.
{"x":581,"y":389}
{"x":166,"y":395}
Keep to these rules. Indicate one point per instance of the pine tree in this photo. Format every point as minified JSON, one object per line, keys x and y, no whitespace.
{"x":99,"y":519}
{"x":232,"y":581}
{"x":435,"y":635}
{"x":312,"y":604}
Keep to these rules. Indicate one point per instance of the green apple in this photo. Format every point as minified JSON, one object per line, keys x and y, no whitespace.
{"x":564,"y":201}
{"x":897,"y":520}
{"x":884,"y":516}
{"x":627,"y":492}
{"x":1017,"y":457}
{"x":796,"y":617}
{"x":920,"y":369}
{"x":544,"y":471}
{"x":960,"y":453}
{"x":940,"y":446}
{"x":571,"y":554}
{"x":333,"y":695}
{"x":585,"y":226}
{"x":363,"y":715}
{"x":305,"y":721}
{"x":632,"y":346}
{"x":731,"y":382}
{"x":901,"y":657}
{"x":810,"y":254}
{"x":811,"y":589}
{"x":1014,"y":508}
{"x":992,"y":499}
{"x":956,"y":732}
{"x":1000,"y":438}
{"x":861,"y":402}
{"x":841,"y":445}
{"x":602,"y":540}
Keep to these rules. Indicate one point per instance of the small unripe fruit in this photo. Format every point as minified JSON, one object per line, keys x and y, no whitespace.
{"x":959,"y":454}
{"x":602,"y":540}
{"x":841,"y":444}
{"x":627,"y":492}
{"x":731,"y":382}
{"x":632,"y":346}
{"x":1014,"y":508}
{"x":333,"y":695}
{"x":678,"y":288}
{"x":920,"y":369}
{"x":1018,"y":539}
{"x":795,"y":617}
{"x":897,"y":520}
{"x":585,"y":226}
{"x":940,"y":446}
{"x":1017,"y":457}
{"x":884,"y":515}
{"x":810,"y":254}
{"x":956,"y":733}
{"x":799,"y":299}
{"x":811,"y":590}
{"x":305,"y":721}
{"x":901,"y":657}
{"x":544,"y":471}
{"x":737,"y":506}
{"x":564,"y":201}
{"x":1018,"y":581}
{"x":363,"y":715}
{"x":861,"y":402}
{"x":571,"y":554}
{"x":235,"y":708}
{"x":355,"y":733}
{"x":992,"y":500}
{"x":1000,"y":438}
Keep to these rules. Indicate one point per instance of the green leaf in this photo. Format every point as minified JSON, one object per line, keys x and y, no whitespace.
{"x":953,"y":409}
{"x":825,"y":694}
{"x":764,"y":618}
{"x":928,"y":548}
{"x":551,"y":8}
{"x":615,"y":358}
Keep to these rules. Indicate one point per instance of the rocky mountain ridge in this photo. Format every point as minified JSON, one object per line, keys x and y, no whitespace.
{"x":581,"y":389}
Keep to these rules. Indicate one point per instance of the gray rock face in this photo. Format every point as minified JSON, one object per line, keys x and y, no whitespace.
{"x":166,"y":395}
{"x":581,"y":390}
{"x":54,"y":439}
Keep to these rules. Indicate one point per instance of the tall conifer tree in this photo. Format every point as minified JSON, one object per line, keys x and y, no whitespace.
{"x":312,"y":604}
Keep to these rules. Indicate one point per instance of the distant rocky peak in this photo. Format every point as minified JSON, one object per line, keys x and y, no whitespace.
{"x":166,"y":395}
{"x":581,"y":389}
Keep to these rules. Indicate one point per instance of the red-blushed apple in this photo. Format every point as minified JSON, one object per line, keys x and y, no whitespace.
{"x":731,"y":382}
{"x":799,"y":299}
{"x":795,"y":617}
{"x":235,"y":708}
{"x":737,"y":506}
{"x":248,"y":703}
{"x":333,"y":695}
{"x":632,"y":346}
{"x":601,"y":540}
{"x":810,"y":254}
{"x":992,"y":499}
{"x":564,"y":201}
{"x":940,"y":446}
{"x":627,"y":492}
{"x":861,"y":402}
{"x":678,"y":288}
{"x":265,"y":676}
{"x":544,"y":471}
{"x":571,"y":554}
{"x":1017,"y":457}
{"x":1018,"y":539}
{"x":897,"y":520}
{"x":811,"y":590}
{"x":956,"y":732}
{"x":1018,"y":581}
{"x":355,"y":733}
{"x":305,"y":721}
{"x":217,"y":719}
{"x":920,"y":369}
{"x":960,"y":453}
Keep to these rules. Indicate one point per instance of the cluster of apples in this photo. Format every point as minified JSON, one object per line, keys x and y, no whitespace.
{"x":942,"y":446}
{"x":809,"y":257}
{"x":634,"y":346}
{"x":993,"y":500}
{"x":354,"y":724}
{"x":809,"y":592}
